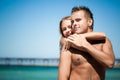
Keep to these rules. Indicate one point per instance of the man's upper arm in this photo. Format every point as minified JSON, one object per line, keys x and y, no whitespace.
{"x":107,"y":49}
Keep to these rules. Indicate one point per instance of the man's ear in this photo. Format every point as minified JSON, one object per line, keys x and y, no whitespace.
{"x":90,"y":21}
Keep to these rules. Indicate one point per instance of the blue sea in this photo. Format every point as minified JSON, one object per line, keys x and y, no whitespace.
{"x":42,"y":73}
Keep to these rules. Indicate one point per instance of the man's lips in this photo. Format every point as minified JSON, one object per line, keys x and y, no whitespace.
{"x":75,"y":29}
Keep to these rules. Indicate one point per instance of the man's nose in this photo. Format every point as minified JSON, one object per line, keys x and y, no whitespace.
{"x":73,"y":27}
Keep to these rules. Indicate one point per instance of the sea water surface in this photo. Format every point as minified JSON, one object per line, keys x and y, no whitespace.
{"x":42,"y":73}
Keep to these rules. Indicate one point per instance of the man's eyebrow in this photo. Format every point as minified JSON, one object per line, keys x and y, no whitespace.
{"x":78,"y":19}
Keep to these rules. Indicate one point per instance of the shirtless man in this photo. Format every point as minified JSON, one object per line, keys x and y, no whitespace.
{"x":85,"y":60}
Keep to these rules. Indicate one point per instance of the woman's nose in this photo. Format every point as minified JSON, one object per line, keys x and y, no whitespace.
{"x":68,"y":31}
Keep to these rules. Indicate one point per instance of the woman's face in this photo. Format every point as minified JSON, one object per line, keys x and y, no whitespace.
{"x":66,"y":28}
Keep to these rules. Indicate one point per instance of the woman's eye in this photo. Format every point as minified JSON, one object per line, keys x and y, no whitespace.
{"x":64,"y":29}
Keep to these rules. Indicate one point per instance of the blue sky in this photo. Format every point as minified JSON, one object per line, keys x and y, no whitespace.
{"x":30,"y":28}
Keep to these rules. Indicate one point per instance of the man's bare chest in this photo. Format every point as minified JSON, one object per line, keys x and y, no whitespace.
{"x":80,"y":57}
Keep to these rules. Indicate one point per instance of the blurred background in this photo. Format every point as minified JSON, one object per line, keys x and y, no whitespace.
{"x":29,"y":34}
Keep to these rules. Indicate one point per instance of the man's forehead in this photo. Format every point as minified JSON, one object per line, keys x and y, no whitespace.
{"x":77,"y":14}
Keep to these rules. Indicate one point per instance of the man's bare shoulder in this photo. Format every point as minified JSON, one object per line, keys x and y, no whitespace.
{"x":107,"y":41}
{"x":107,"y":46}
